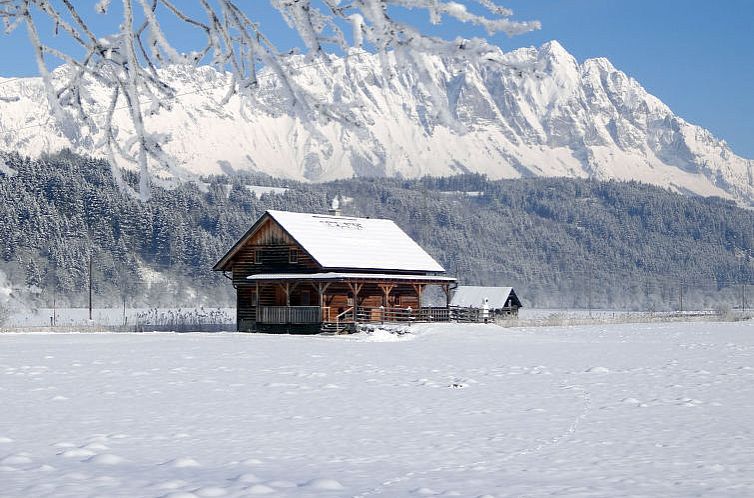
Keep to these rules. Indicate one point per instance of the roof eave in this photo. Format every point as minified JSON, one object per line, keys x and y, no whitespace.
{"x":222,"y":264}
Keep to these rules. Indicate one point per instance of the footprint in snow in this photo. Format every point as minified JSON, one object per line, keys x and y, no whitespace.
{"x":16,"y":459}
{"x":322,"y":484}
{"x":183,"y":462}
{"x":77,"y":476}
{"x":95,"y":447}
{"x":210,"y":492}
{"x":179,"y":494}
{"x":173,"y":484}
{"x":63,"y":444}
{"x":106,"y":459}
{"x":248,"y":478}
{"x":602,"y":370}
{"x":76,"y":453}
{"x":282,"y":484}
{"x":425,"y":492}
{"x":260,"y":489}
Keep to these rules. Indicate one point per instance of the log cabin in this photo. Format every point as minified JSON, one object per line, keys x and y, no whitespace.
{"x":311,"y":273}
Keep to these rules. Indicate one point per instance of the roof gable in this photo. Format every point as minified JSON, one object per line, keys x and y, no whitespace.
{"x":473,"y":296}
{"x":355,"y":243}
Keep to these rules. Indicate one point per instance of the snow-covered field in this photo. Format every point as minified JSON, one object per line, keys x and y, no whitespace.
{"x":450,"y":410}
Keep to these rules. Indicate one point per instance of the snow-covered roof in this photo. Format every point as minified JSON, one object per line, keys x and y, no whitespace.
{"x":359,"y":243}
{"x":473,"y":296}
{"x":345,"y":276}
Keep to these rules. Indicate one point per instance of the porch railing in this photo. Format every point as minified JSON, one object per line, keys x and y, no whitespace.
{"x":395,"y":314}
{"x":364,"y":314}
{"x":289,"y":314}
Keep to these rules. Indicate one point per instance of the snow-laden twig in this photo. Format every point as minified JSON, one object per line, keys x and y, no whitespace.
{"x":128,"y":62}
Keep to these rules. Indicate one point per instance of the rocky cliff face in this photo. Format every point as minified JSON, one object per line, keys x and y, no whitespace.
{"x":530,"y":112}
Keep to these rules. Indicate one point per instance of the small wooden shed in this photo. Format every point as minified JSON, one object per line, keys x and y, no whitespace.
{"x":500,"y":301}
{"x":305,"y":273}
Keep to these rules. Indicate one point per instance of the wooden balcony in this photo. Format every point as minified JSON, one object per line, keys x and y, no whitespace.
{"x":289,"y":314}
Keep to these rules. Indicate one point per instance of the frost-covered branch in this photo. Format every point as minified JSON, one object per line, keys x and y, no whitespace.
{"x":128,"y":62}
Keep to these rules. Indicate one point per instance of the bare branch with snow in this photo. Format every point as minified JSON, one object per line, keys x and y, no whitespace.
{"x":128,"y":61}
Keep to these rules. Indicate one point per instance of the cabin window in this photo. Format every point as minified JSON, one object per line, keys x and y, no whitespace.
{"x":293,"y":255}
{"x":253,"y":298}
{"x":257,"y":256}
{"x":305,"y":298}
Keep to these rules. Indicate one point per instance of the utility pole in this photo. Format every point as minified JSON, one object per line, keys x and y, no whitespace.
{"x":681,"y":293}
{"x":589,"y":285}
{"x":740,"y":258}
{"x":54,"y":292}
{"x":90,"y":286}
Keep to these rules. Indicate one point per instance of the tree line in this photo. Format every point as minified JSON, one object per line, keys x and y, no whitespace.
{"x":560,"y":242}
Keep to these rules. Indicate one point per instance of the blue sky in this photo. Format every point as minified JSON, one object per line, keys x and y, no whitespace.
{"x":696,"y":56}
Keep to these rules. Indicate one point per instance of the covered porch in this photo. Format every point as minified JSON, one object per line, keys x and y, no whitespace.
{"x":336,"y":301}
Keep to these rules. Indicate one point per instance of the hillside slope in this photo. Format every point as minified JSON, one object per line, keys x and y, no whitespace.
{"x":560,"y":242}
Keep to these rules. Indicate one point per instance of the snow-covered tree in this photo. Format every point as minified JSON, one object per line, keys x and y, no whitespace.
{"x":127,"y":62}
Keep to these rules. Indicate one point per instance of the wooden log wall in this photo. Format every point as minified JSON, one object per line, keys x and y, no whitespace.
{"x":246,"y":314}
{"x":268,"y":251}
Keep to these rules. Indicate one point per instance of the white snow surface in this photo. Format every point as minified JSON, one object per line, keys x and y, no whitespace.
{"x":660,"y":410}
{"x":529,"y":112}
{"x":346,"y":242}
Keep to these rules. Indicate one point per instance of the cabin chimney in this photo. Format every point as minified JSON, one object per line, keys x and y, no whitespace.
{"x":334,"y":207}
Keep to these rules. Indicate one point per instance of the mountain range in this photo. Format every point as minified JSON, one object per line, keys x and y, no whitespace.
{"x":530,"y":112}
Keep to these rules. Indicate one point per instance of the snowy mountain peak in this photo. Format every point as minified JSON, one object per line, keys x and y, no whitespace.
{"x":528,"y":112}
{"x":554,"y":52}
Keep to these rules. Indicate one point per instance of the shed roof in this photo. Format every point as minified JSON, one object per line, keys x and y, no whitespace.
{"x":349,"y":243}
{"x":473,"y":296}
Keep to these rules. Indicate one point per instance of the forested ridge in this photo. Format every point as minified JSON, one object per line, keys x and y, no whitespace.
{"x":559,"y":242}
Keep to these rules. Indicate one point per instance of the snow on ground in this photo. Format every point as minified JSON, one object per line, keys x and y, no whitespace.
{"x":447,"y":410}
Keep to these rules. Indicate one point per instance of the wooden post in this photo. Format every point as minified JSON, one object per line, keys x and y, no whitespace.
{"x":419,"y":289}
{"x":355,"y":289}
{"x":321,"y":289}
{"x":255,"y":302}
{"x":386,"y":289}
{"x":286,"y":288}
